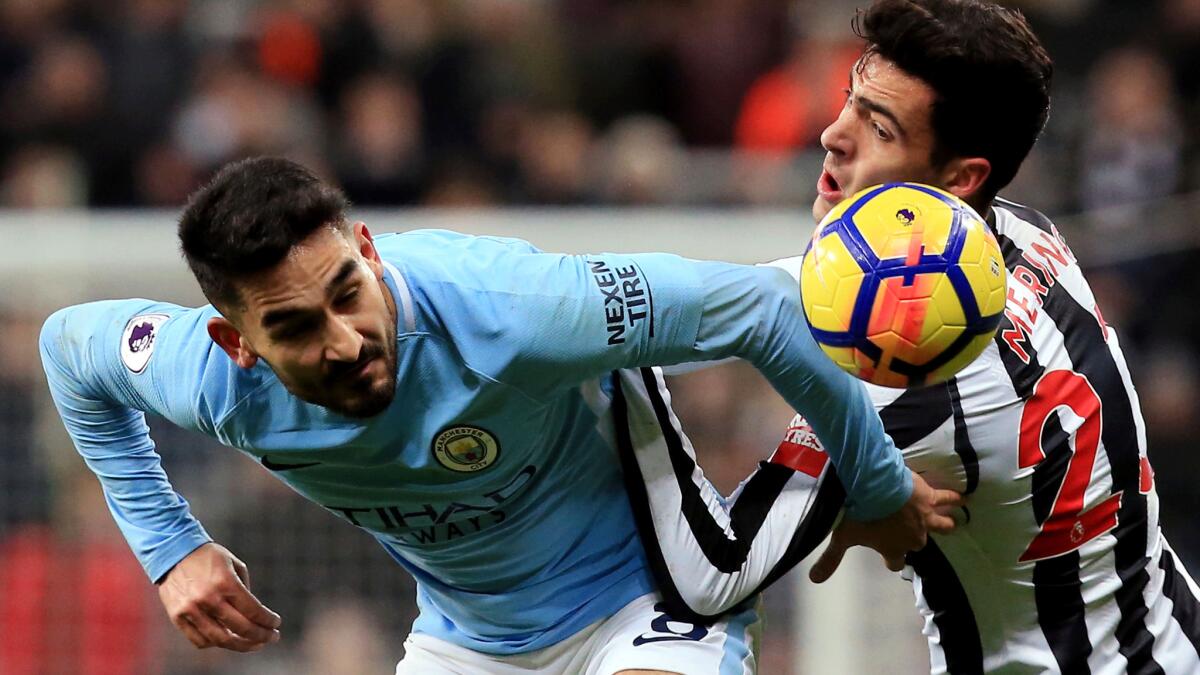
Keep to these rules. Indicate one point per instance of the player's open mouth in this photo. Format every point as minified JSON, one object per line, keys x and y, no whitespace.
{"x":828,"y":188}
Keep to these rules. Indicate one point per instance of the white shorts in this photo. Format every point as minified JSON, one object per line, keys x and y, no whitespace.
{"x":639,"y":636}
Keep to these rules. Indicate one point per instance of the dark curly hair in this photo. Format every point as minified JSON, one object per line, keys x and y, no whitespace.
{"x":989,"y":73}
{"x":247,"y":219}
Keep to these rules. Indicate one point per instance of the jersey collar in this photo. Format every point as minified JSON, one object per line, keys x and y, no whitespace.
{"x":404,"y":304}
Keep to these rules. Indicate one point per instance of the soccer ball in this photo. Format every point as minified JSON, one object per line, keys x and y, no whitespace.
{"x":903,"y":284}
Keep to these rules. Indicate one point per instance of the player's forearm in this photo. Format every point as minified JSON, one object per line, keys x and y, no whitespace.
{"x":114,"y":441}
{"x":755,"y":313}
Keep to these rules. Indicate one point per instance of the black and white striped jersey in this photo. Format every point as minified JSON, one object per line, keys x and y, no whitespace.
{"x":1060,"y":565}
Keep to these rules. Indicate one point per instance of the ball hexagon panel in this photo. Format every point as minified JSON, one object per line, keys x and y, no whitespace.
{"x":983,"y":265}
{"x":902,"y":308}
{"x":844,"y":357}
{"x":902,"y":220}
{"x":829,"y":280}
{"x":944,"y":296}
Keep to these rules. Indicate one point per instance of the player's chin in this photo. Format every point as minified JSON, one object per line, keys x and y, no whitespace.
{"x":363,"y":407}
{"x":368,"y":401}
{"x":820,"y":208}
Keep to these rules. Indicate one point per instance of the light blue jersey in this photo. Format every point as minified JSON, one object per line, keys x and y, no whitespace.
{"x":489,"y":477}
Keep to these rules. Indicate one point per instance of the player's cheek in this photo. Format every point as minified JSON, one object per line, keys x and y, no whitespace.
{"x":306,"y":363}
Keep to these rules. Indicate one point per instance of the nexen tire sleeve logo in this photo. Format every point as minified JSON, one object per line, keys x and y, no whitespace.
{"x":627,"y":298}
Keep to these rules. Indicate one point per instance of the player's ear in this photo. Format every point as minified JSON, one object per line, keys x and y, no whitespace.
{"x":229,"y":339}
{"x":964,"y":177}
{"x":366,"y":246}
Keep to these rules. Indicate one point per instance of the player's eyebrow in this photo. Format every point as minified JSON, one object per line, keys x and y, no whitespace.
{"x":343,"y":273}
{"x":283,"y":315}
{"x":874,"y":106}
{"x":275,"y":317}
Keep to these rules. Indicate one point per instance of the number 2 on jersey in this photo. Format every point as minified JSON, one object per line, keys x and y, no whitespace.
{"x":1068,"y":526}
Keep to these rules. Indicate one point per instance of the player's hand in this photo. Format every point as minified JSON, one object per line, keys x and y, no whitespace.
{"x":207,"y":595}
{"x":905,"y":530}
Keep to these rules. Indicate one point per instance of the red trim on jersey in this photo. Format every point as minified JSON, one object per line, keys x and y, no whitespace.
{"x":800,"y":458}
{"x":1145,"y":476}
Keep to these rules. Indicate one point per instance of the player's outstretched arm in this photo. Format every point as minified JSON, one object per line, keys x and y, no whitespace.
{"x":106,"y":363}
{"x":887,"y":505}
{"x":569,"y":319}
{"x":207,"y":595}
{"x":608,"y":312}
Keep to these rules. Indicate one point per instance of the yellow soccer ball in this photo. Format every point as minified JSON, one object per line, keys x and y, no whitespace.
{"x":903,"y":284}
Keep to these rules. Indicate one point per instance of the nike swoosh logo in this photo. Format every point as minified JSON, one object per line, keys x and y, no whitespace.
{"x":285,"y":467}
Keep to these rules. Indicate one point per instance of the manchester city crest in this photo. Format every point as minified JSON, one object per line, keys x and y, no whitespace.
{"x":466,"y":448}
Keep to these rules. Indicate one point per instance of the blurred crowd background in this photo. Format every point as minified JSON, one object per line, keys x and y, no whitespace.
{"x":498,"y":103}
{"x":451,"y":102}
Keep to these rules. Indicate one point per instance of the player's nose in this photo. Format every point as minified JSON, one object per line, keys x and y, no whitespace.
{"x":836,"y":139}
{"x":344,"y":343}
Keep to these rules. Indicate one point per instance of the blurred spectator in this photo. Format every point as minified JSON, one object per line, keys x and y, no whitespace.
{"x":461,"y":183}
{"x":406,"y":29}
{"x":622,"y":57}
{"x":164,"y":177}
{"x":57,"y":98}
{"x":380,"y":157}
{"x":1170,"y":387}
{"x":237,"y":111}
{"x":1181,"y":40}
{"x":149,"y":61}
{"x":41,"y":177}
{"x":289,"y":48}
{"x":1132,"y":146}
{"x":721,"y":46}
{"x":787,"y":108}
{"x":1181,"y":26}
{"x":554,"y":150}
{"x":639,"y":160}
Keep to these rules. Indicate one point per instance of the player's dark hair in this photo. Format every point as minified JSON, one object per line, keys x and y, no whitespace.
{"x":990,"y":75}
{"x":248,"y":217}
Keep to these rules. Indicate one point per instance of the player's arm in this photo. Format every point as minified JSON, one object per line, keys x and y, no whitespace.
{"x":106,"y":363}
{"x":570,"y":318}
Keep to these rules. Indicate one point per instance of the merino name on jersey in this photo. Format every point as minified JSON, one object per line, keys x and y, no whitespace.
{"x":1032,"y":287}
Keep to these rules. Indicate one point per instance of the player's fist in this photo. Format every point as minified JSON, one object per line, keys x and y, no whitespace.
{"x":207,"y":595}
{"x":892,"y":537}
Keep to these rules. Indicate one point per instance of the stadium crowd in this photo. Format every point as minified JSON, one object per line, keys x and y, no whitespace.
{"x":409,"y":102}
{"x":133,"y":103}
